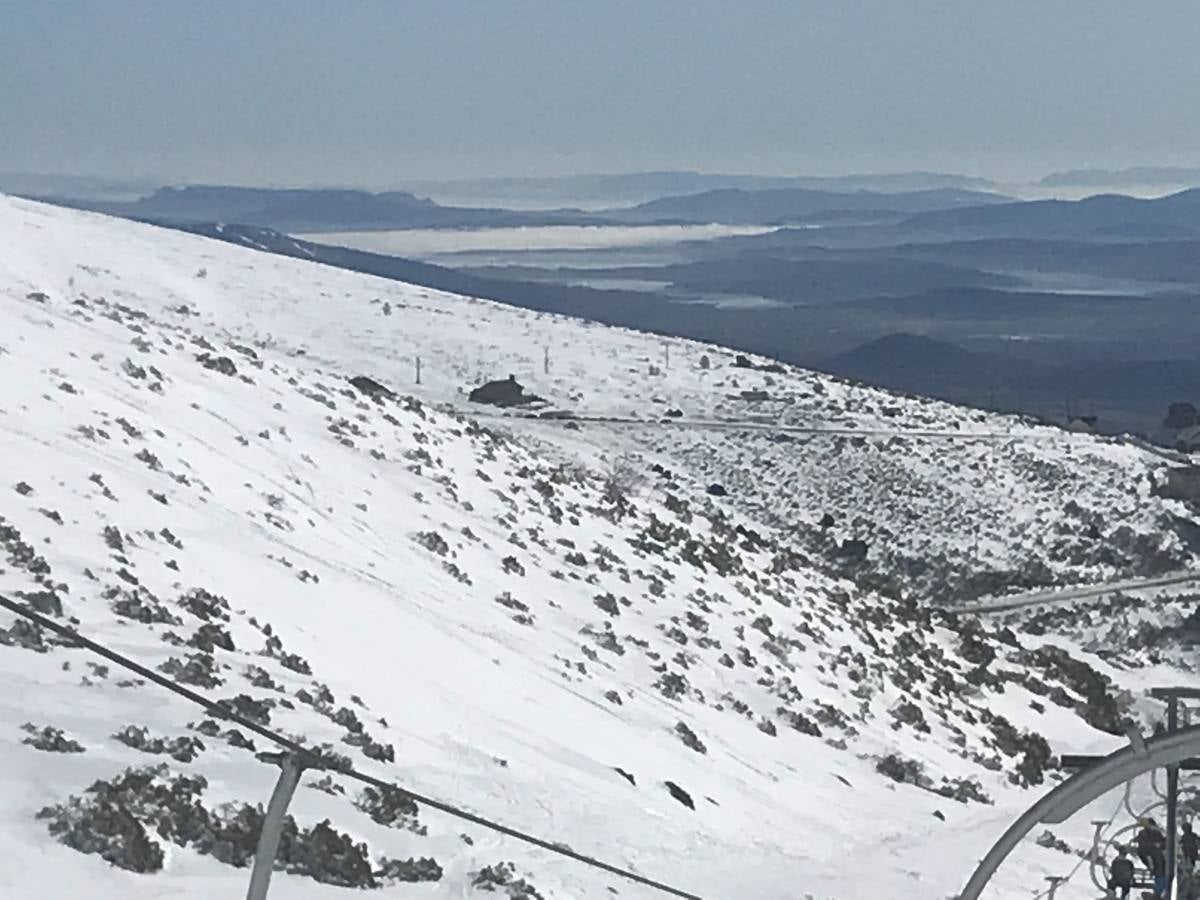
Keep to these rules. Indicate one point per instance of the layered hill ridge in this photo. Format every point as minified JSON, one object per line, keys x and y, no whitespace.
{"x":1113,"y":213}
{"x":674,"y":626}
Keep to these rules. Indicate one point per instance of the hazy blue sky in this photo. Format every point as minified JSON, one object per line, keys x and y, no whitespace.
{"x":376,"y":92}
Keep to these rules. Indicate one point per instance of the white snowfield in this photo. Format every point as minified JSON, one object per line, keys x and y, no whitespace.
{"x":515,"y":610}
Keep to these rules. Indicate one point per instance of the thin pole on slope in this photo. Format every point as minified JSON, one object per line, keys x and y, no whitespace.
{"x":1172,"y":802}
{"x":272,"y":827}
{"x":312,"y":761}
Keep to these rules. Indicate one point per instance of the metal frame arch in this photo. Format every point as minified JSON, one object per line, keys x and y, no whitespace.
{"x":1126,"y":801}
{"x":1158,"y":792}
{"x":1066,"y":799}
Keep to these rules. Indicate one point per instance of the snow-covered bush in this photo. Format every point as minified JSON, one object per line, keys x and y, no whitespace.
{"x":199,"y":669}
{"x":503,"y":877}
{"x":124,"y":819}
{"x":689,"y":738}
{"x":902,"y":769}
{"x":205,"y":605}
{"x":50,"y":739}
{"x":140,"y":605}
{"x":182,"y":749}
{"x":409,"y":870}
{"x":391,"y":807}
{"x":209,"y":636}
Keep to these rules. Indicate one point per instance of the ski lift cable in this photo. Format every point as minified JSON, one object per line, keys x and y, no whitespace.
{"x":312,"y":760}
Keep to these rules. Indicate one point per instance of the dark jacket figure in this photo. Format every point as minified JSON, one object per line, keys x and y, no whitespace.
{"x":1151,"y":843}
{"x":1151,"y":846}
{"x":1189,"y":843}
{"x":1120,"y":875}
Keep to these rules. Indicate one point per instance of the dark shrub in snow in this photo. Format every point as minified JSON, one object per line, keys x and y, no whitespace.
{"x":107,"y":828}
{"x":121,"y":820}
{"x":409,"y":870}
{"x":205,"y":605}
{"x":222,"y":364}
{"x":141,"y":606}
{"x":111,"y":818}
{"x":256,"y":711}
{"x":295,"y":663}
{"x":502,"y":877}
{"x":199,"y":669}
{"x":25,"y":634}
{"x":47,"y":603}
{"x":326,"y":757}
{"x":689,"y":738}
{"x":680,"y":794}
{"x":210,"y":636}
{"x":906,"y":771}
{"x":607,"y":603}
{"x":1031,"y":748}
{"x":52,"y":740}
{"x":964,"y":790}
{"x":390,"y":807}
{"x":371,"y":748}
{"x":326,"y":855}
{"x":182,"y":749}
{"x":433,"y":542}
{"x":326,"y":785}
{"x":261,"y":678}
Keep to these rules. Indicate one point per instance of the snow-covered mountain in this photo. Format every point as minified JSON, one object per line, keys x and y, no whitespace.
{"x":682,"y":620}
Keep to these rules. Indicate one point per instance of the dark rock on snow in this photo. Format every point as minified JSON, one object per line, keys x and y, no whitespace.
{"x":508,"y":392}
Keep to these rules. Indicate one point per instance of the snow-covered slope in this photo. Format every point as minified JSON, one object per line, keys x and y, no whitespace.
{"x":543,"y":620}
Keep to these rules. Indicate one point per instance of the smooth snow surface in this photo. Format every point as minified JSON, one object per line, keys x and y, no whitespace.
{"x":528,"y":604}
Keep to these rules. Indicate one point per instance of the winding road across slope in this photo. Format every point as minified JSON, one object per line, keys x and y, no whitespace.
{"x":1066,"y":595}
{"x":775,"y":427}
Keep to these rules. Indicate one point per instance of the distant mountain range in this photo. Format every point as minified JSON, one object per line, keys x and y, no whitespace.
{"x":304,"y":209}
{"x":781,"y":206}
{"x":897,"y":216}
{"x":1113,"y":214}
{"x":607,"y":191}
{"x":1133,"y":177}
{"x":318,"y":210}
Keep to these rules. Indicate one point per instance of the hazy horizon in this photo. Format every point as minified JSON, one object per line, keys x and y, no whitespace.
{"x":380,"y":94}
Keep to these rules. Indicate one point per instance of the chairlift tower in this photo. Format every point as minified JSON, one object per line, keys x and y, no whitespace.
{"x":1172,"y":696}
{"x":1174,"y":749}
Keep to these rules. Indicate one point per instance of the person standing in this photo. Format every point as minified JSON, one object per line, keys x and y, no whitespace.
{"x":1189,"y":844}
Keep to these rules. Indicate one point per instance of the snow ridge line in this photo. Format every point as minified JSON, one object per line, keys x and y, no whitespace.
{"x":312,"y":762}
